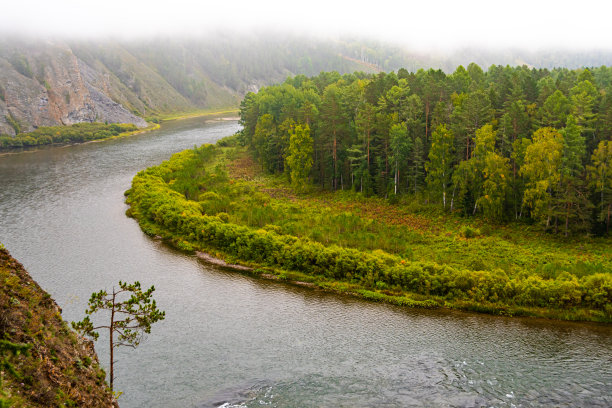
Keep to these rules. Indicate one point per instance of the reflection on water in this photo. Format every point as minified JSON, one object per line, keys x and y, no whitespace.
{"x":231,"y":340}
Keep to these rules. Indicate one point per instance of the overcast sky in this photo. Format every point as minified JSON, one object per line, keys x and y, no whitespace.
{"x":530,"y":24}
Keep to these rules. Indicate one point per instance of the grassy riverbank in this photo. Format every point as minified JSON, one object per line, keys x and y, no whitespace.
{"x":224,"y":112}
{"x":214,"y":199}
{"x":77,"y":133}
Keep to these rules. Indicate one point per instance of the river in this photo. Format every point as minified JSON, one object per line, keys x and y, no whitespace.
{"x":238,"y":341}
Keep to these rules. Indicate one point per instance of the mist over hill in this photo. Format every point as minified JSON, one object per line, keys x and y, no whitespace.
{"x":64,"y":81}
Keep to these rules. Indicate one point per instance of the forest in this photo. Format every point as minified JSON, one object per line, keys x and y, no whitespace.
{"x":510,"y":144}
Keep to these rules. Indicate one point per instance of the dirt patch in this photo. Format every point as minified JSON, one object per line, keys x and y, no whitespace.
{"x":220,"y":262}
{"x":244,"y":167}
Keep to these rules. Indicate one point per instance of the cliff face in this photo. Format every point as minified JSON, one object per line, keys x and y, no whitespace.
{"x":43,"y":363}
{"x":47,"y":85}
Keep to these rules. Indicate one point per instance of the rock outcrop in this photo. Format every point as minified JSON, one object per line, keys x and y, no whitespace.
{"x":47,"y":85}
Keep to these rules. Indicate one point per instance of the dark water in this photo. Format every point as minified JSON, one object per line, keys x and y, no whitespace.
{"x":236,"y":341}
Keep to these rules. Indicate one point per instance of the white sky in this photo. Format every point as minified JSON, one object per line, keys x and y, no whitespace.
{"x":530,"y":24}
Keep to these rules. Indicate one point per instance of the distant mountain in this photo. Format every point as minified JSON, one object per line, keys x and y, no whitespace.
{"x":44,"y":83}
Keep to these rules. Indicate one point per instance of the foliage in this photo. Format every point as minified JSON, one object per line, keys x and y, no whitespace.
{"x":299,"y":158}
{"x":382,"y":133}
{"x":130,"y":319}
{"x":80,"y":132}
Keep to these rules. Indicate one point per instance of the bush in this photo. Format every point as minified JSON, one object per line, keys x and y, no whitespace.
{"x":469,"y":232}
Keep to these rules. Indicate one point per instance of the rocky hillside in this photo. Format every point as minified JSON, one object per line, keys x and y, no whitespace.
{"x":43,"y":363}
{"x":46,"y":84}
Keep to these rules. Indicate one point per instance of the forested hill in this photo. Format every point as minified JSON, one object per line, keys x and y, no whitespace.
{"x":508,"y":143}
{"x":61,"y":82}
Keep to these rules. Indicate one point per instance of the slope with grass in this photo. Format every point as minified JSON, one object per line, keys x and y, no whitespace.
{"x":43,"y":363}
{"x":215,"y":199}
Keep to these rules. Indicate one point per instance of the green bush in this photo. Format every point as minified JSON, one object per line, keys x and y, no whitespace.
{"x":469,"y":232}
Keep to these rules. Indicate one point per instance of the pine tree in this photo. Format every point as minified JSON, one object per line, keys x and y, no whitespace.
{"x":130,"y":318}
{"x":400,"y":149}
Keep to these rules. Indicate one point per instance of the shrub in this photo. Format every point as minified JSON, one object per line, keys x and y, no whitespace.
{"x":469,"y":232}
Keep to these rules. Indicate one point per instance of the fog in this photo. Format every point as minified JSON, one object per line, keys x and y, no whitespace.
{"x":440,"y":25}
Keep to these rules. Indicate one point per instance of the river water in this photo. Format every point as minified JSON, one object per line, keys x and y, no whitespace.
{"x":235,"y":341}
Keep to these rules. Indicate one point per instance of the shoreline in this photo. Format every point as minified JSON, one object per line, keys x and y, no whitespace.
{"x":217,"y":258}
{"x":340,"y":288}
{"x":32,"y":149}
{"x":216,"y":116}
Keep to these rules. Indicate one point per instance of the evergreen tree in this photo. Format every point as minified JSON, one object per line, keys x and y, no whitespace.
{"x":400,"y":149}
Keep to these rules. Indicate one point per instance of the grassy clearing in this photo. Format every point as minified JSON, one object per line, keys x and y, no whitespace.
{"x":216,"y":199}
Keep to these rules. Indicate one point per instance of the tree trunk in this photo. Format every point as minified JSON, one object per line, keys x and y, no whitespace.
{"x":426,"y":120}
{"x":396,"y":177}
{"x":443,"y":190}
{"x":335,"y":183}
{"x":368,"y":133}
{"x":110,"y":330}
{"x":567,"y":207}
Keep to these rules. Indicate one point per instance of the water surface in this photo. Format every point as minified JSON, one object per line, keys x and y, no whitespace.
{"x":233,"y":340}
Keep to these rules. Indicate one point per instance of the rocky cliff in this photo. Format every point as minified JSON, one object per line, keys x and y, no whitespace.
{"x":45,"y":84}
{"x":43,"y":363}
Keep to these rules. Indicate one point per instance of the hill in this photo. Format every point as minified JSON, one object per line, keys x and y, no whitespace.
{"x":62,"y":82}
{"x":48,"y":83}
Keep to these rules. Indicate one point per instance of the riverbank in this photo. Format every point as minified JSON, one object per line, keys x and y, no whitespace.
{"x":214,"y":200}
{"x":97,"y":132}
{"x":68,"y":135}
